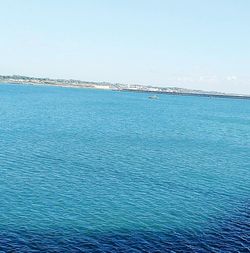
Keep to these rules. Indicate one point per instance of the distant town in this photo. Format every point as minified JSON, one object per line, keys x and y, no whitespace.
{"x":16,"y":79}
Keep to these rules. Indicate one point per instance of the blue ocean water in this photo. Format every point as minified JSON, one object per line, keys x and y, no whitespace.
{"x":104,"y":171}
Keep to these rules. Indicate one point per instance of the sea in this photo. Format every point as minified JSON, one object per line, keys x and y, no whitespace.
{"x":84,"y":170}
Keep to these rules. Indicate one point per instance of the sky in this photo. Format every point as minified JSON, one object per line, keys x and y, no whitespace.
{"x":198,"y":44}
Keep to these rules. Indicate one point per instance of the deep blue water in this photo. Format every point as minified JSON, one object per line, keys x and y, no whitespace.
{"x":103,"y":171}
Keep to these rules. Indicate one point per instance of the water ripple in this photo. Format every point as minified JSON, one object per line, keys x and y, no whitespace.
{"x":88,"y":171}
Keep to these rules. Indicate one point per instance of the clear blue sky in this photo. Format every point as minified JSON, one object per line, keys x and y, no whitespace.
{"x":201,"y":44}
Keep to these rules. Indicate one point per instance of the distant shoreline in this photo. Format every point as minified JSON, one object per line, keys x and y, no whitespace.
{"x":195,"y":94}
{"x":23,"y":80}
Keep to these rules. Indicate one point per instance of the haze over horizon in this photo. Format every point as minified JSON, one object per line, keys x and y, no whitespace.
{"x":189,"y":44}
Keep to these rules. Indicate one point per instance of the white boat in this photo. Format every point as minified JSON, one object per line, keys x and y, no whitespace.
{"x":153,"y":97}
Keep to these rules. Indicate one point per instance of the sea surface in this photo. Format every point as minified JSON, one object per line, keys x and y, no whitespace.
{"x":86,"y":170}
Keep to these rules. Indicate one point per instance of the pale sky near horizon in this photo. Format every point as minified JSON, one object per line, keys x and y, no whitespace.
{"x":199,"y":44}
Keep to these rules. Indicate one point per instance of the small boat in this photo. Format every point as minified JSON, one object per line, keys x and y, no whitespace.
{"x":153,"y":97}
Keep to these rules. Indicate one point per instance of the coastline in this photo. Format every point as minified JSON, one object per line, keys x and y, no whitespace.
{"x":78,"y":84}
{"x":195,"y":94}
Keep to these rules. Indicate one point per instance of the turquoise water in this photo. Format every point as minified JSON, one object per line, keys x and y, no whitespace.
{"x":103,"y":171}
